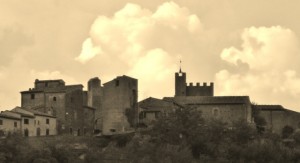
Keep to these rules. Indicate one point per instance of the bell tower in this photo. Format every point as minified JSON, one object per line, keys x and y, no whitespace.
{"x":180,"y":83}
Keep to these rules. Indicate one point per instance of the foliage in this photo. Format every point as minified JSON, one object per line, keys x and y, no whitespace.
{"x":130,"y":113}
{"x":287,"y":131}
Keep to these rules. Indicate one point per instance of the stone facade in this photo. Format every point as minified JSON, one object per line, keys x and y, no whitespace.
{"x":277,"y":117}
{"x":9,"y":123}
{"x":63,"y":101}
{"x":119,"y":95}
{"x":28,"y":122}
{"x":182,"y":89}
{"x":95,"y":100}
{"x":89,"y":120}
{"x":226,"y":108}
{"x":151,"y":109}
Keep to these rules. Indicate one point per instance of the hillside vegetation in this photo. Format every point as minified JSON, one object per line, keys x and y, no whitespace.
{"x":182,"y":137}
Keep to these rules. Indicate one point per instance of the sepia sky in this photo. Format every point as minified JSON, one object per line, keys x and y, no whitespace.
{"x":245,"y":47}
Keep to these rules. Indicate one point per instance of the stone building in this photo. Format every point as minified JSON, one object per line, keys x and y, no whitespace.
{"x":182,"y":89}
{"x":79,"y":112}
{"x":150,"y":109}
{"x":226,"y":108}
{"x":278,"y":117}
{"x":66,"y":102}
{"x":119,"y":97}
{"x":9,"y":123}
{"x":95,"y":100}
{"x":28,"y":122}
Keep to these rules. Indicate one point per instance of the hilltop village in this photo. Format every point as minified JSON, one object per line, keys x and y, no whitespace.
{"x":53,"y":108}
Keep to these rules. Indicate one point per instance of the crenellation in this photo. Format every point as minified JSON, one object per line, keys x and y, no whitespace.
{"x":184,"y":89}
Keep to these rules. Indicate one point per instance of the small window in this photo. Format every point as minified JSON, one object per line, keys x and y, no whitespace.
{"x":156,"y":114}
{"x":47,"y":121}
{"x":47,"y":131}
{"x":71,"y":131}
{"x":32,"y":96}
{"x":54,"y":98}
{"x":1,"y":122}
{"x":15,"y":124}
{"x":46,"y":84}
{"x":117,"y":83}
{"x":26,"y":121}
{"x":112,"y":130}
{"x":38,"y":122}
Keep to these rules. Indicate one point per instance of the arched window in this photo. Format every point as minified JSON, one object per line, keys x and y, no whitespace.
{"x":216,"y":112}
{"x":54,"y":98}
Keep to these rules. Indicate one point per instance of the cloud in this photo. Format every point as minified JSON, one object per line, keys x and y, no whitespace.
{"x":142,"y":43}
{"x":272,"y":74}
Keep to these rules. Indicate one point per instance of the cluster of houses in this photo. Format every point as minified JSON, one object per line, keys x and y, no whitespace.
{"x":52,"y":108}
{"x":28,"y":122}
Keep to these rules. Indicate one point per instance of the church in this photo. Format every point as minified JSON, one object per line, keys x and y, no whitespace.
{"x":225,"y":108}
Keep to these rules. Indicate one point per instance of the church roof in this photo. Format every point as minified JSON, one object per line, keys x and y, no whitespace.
{"x":270,"y":107}
{"x":207,"y":100}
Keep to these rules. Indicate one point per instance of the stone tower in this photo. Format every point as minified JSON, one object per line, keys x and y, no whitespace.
{"x":95,"y":95}
{"x":180,"y":83}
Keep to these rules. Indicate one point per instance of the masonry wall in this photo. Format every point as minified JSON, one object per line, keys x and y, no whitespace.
{"x":74,"y":112}
{"x":89,"y":118}
{"x":8,"y":125}
{"x":180,"y":84}
{"x":95,"y":100}
{"x":28,"y":102}
{"x":226,"y":112}
{"x":197,"y":90}
{"x":30,"y":126}
{"x":119,"y":95}
{"x":278,"y":119}
{"x":56,"y":101}
{"x":40,"y":122}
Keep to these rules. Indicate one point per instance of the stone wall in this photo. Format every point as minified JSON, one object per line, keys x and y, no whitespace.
{"x":89,"y":120}
{"x":278,"y":119}
{"x":226,"y":112}
{"x":119,"y":94}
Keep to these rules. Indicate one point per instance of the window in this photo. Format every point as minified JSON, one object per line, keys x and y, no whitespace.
{"x":47,"y":131}
{"x":156,"y":114}
{"x":26,"y":121}
{"x":47,"y":121}
{"x":117,"y":83}
{"x":32,"y":96}
{"x":54,"y":98}
{"x":15,"y":124}
{"x":75,"y":115}
{"x":46,"y":84}
{"x":112,"y":130}
{"x":1,"y":122}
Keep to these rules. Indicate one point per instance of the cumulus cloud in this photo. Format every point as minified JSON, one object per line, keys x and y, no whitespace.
{"x":271,"y":55}
{"x":141,"y":43}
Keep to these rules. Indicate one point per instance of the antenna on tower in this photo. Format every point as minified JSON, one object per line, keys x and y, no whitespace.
{"x":180,"y":66}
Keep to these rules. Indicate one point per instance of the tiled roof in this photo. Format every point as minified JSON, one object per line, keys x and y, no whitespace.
{"x":270,"y":107}
{"x":39,"y":113}
{"x":9,"y":116}
{"x":191,"y":100}
{"x":155,"y":104}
